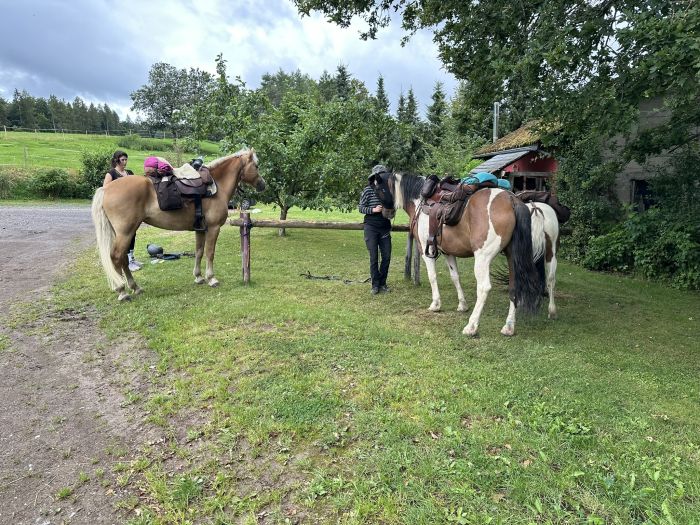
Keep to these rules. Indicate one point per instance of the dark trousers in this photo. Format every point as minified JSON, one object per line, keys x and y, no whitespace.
{"x":133,"y":243}
{"x":378,"y":241}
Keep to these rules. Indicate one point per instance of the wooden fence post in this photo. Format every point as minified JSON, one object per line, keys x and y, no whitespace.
{"x":416,"y":262}
{"x":409,"y":255}
{"x":245,"y":245}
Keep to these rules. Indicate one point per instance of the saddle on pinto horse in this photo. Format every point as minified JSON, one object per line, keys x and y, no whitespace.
{"x":563,"y":212}
{"x":443,"y":201}
{"x":191,"y":181}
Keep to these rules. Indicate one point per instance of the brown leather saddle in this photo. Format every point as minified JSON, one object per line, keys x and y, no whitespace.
{"x":563,"y":212}
{"x":443,"y":201}
{"x":171,"y":190}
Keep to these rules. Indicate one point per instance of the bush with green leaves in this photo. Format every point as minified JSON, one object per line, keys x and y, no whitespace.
{"x":95,"y":163}
{"x":190,"y":144}
{"x":53,"y":184}
{"x":585,"y":184}
{"x":662,"y":243}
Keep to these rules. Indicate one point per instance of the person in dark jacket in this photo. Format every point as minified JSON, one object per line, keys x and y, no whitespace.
{"x":377,"y":234}
{"x":118,"y":170}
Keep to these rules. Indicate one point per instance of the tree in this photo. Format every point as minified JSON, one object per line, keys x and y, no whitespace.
{"x":61,"y":113}
{"x":579,"y":65}
{"x":436,"y":115}
{"x":80,"y":114}
{"x":411,"y":115}
{"x":42,"y":114}
{"x":21,"y":110}
{"x":326,"y":86}
{"x":342,"y":82}
{"x":277,"y":85}
{"x":382,"y":100}
{"x":312,"y":153}
{"x":4,"y":106}
{"x":401,"y":108}
{"x":170,"y":95}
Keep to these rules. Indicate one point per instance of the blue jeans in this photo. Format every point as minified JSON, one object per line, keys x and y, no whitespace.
{"x":378,"y":241}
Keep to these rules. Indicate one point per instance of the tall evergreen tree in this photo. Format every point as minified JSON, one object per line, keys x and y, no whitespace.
{"x":80,"y":114}
{"x":326,"y":86}
{"x":42,"y":114}
{"x":401,"y":109}
{"x":436,"y":115}
{"x":382,"y":100}
{"x":411,"y":115}
{"x":342,"y":82}
{"x":21,"y":111}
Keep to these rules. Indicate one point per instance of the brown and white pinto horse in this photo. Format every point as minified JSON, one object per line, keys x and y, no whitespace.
{"x":541,"y":210}
{"x":493,"y":221}
{"x":119,"y":209}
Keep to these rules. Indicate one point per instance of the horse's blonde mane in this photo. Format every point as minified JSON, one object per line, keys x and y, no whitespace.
{"x":214,"y":163}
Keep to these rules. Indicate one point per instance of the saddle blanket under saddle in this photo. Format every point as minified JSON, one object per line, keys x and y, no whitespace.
{"x":444,"y":202}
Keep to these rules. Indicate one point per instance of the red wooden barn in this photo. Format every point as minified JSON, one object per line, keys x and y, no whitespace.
{"x":520,"y":158}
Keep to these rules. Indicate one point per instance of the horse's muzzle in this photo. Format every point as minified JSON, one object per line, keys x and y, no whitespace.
{"x":388,"y":213}
{"x":260,"y":186}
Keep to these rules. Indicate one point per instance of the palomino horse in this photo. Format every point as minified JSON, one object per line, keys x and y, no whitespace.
{"x":493,"y":221}
{"x":119,"y":209}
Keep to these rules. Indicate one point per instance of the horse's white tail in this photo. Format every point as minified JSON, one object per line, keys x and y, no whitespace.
{"x":105,"y":240}
{"x":537,"y":232}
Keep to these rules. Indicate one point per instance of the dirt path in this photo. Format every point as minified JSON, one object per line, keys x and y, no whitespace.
{"x":65,"y":420}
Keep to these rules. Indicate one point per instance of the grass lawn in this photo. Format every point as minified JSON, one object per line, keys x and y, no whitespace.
{"x":296,"y":400}
{"x":28,"y":150}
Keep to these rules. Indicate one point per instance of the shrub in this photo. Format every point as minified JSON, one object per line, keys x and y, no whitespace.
{"x":95,"y":163}
{"x":53,"y":184}
{"x":6,"y":184}
{"x":190,"y":145}
{"x":662,"y":243}
{"x":585,"y":184}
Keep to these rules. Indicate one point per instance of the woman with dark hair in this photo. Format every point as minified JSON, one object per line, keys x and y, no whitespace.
{"x":119,"y":160}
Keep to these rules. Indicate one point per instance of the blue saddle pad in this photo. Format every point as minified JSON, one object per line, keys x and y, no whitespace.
{"x":480,"y":178}
{"x":504,"y":184}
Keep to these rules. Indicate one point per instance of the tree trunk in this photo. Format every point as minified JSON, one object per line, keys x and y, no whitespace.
{"x":283,"y":216}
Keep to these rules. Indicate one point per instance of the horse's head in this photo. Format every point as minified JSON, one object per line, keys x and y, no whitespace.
{"x":249,"y":171}
{"x":381,"y":182}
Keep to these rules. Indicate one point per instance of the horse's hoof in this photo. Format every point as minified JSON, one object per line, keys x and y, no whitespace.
{"x":552,"y":315}
{"x":199,"y":280}
{"x":435,"y":307}
{"x":213,"y":282}
{"x":470,"y":331}
{"x":124,"y":297}
{"x":138,"y":290}
{"x":508,"y":330}
{"x":462,"y":308}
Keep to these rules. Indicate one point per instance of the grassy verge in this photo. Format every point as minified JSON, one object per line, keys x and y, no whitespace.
{"x":298,"y":400}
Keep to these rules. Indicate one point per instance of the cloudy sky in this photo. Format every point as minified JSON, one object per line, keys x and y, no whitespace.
{"x":102,"y":50}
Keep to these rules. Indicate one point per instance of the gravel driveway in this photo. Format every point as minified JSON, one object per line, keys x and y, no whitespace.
{"x":35,"y":241}
{"x":64,"y":421}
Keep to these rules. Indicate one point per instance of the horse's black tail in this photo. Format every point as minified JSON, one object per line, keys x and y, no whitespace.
{"x":528,"y":281}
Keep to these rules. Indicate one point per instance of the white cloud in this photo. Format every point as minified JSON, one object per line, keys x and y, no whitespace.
{"x":101,"y":50}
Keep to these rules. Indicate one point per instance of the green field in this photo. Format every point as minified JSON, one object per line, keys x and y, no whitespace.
{"x":311,"y":401}
{"x":29,"y":151}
